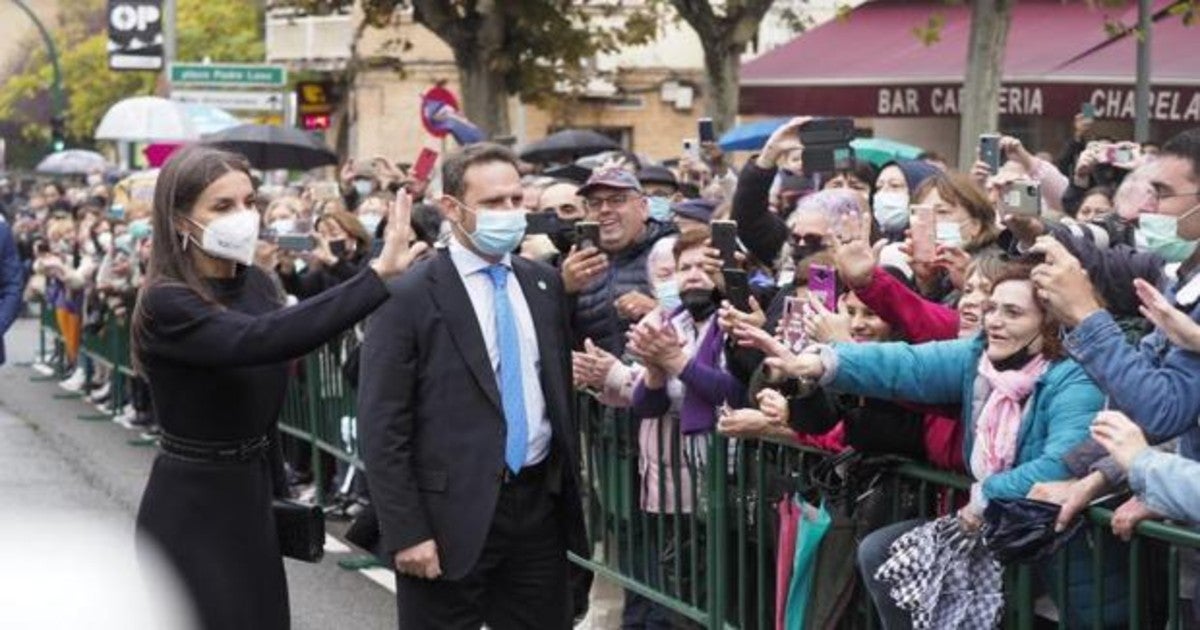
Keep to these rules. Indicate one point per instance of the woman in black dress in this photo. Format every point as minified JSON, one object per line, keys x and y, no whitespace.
{"x":213,"y":341}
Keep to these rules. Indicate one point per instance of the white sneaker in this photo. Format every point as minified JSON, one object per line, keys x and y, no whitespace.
{"x":74,"y":382}
{"x":100,"y":393}
{"x":42,"y":368}
{"x":125,"y":418}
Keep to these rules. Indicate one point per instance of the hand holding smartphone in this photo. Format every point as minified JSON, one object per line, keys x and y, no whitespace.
{"x":424,"y":164}
{"x":822,"y":283}
{"x":587,"y":234}
{"x":737,"y":289}
{"x":724,"y":238}
{"x":989,"y":151}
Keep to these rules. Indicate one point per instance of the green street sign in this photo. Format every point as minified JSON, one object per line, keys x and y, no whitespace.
{"x":229,"y":74}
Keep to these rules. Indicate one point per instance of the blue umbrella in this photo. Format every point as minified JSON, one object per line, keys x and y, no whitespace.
{"x":750,"y":136}
{"x":878,"y":151}
{"x":208,"y":119}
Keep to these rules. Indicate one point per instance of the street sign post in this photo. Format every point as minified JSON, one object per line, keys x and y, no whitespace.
{"x":228,"y":74}
{"x":232,"y":100}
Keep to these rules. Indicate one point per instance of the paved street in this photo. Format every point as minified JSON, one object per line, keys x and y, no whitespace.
{"x":88,"y":472}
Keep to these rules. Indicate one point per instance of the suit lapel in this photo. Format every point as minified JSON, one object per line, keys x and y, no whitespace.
{"x":455,"y":307}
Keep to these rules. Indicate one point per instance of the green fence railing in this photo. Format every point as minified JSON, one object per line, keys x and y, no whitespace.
{"x":691,"y":525}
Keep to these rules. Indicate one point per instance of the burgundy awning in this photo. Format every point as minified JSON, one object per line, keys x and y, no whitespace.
{"x":1059,"y":55}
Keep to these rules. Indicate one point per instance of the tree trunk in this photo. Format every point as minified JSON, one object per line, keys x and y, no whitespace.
{"x":980,"y":102}
{"x":484,"y":95}
{"x":722,"y":63}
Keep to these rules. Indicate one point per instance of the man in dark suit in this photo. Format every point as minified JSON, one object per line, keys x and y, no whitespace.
{"x":469,"y":438}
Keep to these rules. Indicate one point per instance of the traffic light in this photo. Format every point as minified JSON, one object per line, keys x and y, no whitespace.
{"x":58,"y":135}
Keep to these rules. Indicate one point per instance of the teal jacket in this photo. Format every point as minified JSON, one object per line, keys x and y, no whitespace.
{"x":1065,"y":400}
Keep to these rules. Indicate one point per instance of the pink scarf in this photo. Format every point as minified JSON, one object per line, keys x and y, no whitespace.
{"x":1000,"y":420}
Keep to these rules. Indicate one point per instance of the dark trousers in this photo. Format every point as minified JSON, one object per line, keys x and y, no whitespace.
{"x":519,"y":582}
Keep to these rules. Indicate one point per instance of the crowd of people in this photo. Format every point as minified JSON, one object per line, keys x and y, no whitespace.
{"x":901,"y":308}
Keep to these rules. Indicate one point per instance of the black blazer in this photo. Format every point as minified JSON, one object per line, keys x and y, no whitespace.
{"x":432,"y":424}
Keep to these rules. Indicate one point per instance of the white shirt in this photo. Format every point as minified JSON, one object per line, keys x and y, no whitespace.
{"x":472,"y":269}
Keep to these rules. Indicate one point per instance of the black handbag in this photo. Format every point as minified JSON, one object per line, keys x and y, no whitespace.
{"x":301,"y":529}
{"x":1022,"y":530}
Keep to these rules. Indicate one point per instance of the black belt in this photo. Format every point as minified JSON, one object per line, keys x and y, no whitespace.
{"x":528,"y":474}
{"x":217,"y":452}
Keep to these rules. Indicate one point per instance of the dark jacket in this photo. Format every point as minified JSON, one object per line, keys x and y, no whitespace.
{"x":1111,"y":268}
{"x":316,"y":279}
{"x":594,"y":313}
{"x":433,"y":428}
{"x":12,"y":282}
{"x":762,"y":232}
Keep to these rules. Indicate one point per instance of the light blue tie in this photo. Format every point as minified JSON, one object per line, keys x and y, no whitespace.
{"x":512,"y":391}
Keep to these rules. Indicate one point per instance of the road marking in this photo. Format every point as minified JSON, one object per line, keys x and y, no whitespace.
{"x":333,"y":545}
{"x":382,"y":577}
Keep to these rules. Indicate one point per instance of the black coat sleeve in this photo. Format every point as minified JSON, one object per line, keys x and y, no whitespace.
{"x":387,"y":410}
{"x":762,"y":231}
{"x":1113,"y":269}
{"x":184,"y":328}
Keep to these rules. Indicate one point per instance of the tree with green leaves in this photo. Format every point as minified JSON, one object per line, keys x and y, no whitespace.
{"x":503,"y":48}
{"x":725,"y":29}
{"x":220,"y":30}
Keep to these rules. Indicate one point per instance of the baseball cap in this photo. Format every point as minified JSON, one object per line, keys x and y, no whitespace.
{"x":612,"y":177}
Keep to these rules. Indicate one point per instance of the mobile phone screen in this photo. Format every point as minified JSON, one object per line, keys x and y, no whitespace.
{"x":724,"y":237}
{"x":705,"y":130}
{"x":822,"y":282}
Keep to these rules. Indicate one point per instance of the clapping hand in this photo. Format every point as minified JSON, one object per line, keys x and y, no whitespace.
{"x":1180,"y":329}
{"x":591,"y":366}
{"x":658,"y":346}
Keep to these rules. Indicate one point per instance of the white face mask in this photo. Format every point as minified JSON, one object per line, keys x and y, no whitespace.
{"x":283,"y":226}
{"x":105,"y":239}
{"x":891,"y":209}
{"x":232,"y":236}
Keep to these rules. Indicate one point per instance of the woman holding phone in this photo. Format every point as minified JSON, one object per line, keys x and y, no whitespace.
{"x":210,"y":336}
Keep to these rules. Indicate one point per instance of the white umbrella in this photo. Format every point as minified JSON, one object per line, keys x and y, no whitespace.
{"x":147,"y":119}
{"x":73,"y":162}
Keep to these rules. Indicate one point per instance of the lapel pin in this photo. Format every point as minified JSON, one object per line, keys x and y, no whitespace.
{"x":542,"y":284}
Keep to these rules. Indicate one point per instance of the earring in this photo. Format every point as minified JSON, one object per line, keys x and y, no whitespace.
{"x":183,"y":237}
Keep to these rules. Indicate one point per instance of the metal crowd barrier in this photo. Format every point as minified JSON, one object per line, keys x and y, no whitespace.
{"x":700,"y":539}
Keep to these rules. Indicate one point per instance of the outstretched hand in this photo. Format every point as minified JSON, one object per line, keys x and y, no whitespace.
{"x":399,"y":251}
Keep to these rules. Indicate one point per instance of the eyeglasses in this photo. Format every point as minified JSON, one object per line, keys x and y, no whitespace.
{"x":1159,"y":195}
{"x":615,"y":201}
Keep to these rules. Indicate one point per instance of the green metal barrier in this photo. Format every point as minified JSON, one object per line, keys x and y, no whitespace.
{"x":691,"y":526}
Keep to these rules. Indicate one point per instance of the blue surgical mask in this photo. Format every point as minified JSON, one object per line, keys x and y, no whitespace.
{"x":891,"y":209}
{"x":667,"y":294}
{"x":370,"y":222}
{"x":1162,"y":238}
{"x":497,"y":232}
{"x":949,"y":233}
{"x":363,"y":187}
{"x":660,"y":209}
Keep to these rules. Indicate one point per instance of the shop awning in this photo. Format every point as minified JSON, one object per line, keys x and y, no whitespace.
{"x":1059,"y":54}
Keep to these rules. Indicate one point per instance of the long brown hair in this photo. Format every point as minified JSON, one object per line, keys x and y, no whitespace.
{"x":185,"y":176}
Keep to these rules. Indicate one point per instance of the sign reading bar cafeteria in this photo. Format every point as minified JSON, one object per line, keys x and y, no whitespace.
{"x":1168,"y":104}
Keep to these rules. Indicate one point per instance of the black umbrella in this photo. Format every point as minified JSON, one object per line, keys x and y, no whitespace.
{"x":269,"y":147}
{"x":567,"y":145}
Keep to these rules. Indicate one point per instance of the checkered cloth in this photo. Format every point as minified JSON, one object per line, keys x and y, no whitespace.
{"x":945,"y":577}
